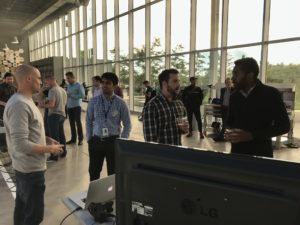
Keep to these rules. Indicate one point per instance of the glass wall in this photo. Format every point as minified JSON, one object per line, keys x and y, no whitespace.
{"x":198,"y":37}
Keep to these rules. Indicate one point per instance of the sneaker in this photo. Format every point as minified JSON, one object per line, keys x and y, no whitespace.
{"x":80,"y":142}
{"x":190,"y":134}
{"x":52,"y":158}
{"x":70,"y":142}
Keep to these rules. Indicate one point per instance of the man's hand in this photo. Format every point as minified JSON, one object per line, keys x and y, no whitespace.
{"x":237,"y":135}
{"x":183,"y":124}
{"x":51,"y":141}
{"x":55,"y":149}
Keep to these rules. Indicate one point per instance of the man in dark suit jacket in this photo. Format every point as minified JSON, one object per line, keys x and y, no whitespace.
{"x":192,"y":97}
{"x":224,"y":99}
{"x":256,"y":112}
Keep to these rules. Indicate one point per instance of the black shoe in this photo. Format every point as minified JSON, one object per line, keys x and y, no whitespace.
{"x":201,"y":135}
{"x":190,"y":134}
{"x":70,"y":142}
{"x":80,"y":142}
{"x":218,"y":139}
{"x":63,"y":155}
{"x":52,"y":158}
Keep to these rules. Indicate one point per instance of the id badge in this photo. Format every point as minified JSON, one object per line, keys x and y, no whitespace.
{"x":104,"y":132}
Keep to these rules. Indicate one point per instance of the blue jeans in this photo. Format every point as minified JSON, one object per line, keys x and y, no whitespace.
{"x":29,"y":204}
{"x":56,"y":128}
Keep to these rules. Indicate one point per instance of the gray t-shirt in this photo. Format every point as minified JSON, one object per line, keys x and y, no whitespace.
{"x":24,"y":127}
{"x":59,"y":95}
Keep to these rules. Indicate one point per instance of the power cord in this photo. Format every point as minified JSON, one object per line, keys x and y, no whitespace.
{"x":78,"y":208}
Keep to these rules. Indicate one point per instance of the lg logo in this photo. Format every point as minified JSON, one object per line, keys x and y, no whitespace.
{"x":191,"y":207}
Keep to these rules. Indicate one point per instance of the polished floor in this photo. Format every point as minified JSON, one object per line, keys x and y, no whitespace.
{"x":70,"y":175}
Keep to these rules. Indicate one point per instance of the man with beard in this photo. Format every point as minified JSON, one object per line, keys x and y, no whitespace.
{"x":163,"y":111}
{"x":192,"y":98}
{"x":7,"y":89}
{"x":27,"y":146}
{"x":256,"y":112}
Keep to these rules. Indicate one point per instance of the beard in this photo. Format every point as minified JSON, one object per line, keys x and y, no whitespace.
{"x":173,"y":91}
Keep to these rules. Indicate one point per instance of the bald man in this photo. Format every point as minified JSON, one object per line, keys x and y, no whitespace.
{"x":27,"y":146}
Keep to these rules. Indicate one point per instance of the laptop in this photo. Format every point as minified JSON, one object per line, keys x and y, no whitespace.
{"x":101,"y":190}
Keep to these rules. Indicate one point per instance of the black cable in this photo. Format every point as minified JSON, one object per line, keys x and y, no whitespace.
{"x":78,"y":208}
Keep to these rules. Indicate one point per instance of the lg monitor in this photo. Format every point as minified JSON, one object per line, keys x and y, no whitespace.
{"x":168,"y":185}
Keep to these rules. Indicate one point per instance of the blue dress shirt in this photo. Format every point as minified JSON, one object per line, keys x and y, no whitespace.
{"x":107,"y":113}
{"x":75,"y":94}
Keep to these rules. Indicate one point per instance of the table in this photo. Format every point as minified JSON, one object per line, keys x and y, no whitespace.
{"x":210,"y":110}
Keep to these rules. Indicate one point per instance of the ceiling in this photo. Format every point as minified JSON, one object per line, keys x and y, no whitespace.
{"x":15,"y":14}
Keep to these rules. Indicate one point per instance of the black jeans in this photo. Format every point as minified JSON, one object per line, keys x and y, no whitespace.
{"x":75,"y":118}
{"x":98,"y":150}
{"x":196,"y":112}
{"x":56,"y":128}
{"x":29,"y":203}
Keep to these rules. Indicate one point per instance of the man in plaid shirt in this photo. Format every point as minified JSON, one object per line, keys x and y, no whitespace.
{"x":163,"y":111}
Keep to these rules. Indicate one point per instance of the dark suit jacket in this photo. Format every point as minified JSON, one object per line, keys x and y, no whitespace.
{"x":262,"y":113}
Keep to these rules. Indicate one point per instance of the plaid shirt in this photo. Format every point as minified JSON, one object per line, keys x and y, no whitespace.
{"x":160,"y":120}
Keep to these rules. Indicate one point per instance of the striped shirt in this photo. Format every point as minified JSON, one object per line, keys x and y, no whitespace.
{"x":107,"y":113}
{"x":160,"y":120}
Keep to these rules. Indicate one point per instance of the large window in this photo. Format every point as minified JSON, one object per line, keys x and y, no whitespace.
{"x":110,"y":8}
{"x":60,"y":28}
{"x":98,"y":11}
{"x":99,"y":44}
{"x":284,"y":19}
{"x":123,"y":37}
{"x":74,"y":51}
{"x":89,"y":13}
{"x":124,"y":80}
{"x":139,"y":77}
{"x":181,"y":63}
{"x":180,"y":25}
{"x":158,"y":32}
{"x":203,"y":24}
{"x":81,"y":20}
{"x":81,"y":49}
{"x":139,"y":33}
{"x":145,"y":48}
{"x":245,"y":21}
{"x":111,"y":52}
{"x":137,"y":3}
{"x":157,"y":66}
{"x":284,"y":65}
{"x":123,"y":6}
{"x":73,"y":23}
{"x":67,"y":25}
{"x":90,"y":49}
{"x":67,"y":58}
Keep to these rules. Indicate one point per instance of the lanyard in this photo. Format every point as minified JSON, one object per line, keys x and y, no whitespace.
{"x":105,"y":112}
